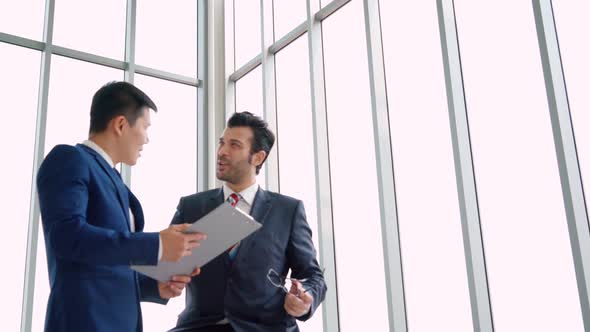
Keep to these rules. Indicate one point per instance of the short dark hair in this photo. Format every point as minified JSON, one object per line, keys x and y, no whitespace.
{"x":264,"y":138}
{"x":114,"y":99}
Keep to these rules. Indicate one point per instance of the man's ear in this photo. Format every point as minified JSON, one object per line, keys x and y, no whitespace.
{"x":118,"y":123}
{"x":258,"y":158}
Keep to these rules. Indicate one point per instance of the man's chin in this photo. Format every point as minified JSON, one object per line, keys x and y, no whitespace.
{"x":224,"y":177}
{"x":220,"y":176}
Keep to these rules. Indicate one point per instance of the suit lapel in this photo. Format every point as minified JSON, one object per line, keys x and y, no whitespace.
{"x":215,"y":200}
{"x":260,"y":208}
{"x":122,"y":192}
{"x":137,"y":211}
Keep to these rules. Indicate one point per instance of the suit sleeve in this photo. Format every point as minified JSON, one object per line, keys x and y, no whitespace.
{"x":149,"y":291}
{"x":301,"y":255}
{"x":62,"y":185}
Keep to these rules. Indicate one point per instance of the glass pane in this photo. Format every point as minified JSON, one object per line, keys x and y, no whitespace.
{"x":247,"y":29}
{"x":72,"y":85}
{"x":167,"y":36}
{"x":249,"y":92}
{"x":571,"y":18}
{"x":249,"y":98}
{"x":288,"y":14}
{"x":18,"y":93}
{"x":528,"y":253}
{"x":168,"y":163}
{"x":435,"y":281}
{"x":353,"y":172}
{"x":81,"y":25}
{"x":296,"y":149}
{"x":23,"y":18}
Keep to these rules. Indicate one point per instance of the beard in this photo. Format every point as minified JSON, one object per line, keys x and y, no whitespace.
{"x":235,"y":172}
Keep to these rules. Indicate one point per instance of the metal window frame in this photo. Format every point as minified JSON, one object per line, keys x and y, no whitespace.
{"x":130,"y":68}
{"x":269,"y":100}
{"x":385,"y":170}
{"x":565,"y":148}
{"x":266,"y":60}
{"x":245,"y":69}
{"x":329,"y":9}
{"x":202,"y":83}
{"x":324,"y":203}
{"x":290,"y":37}
{"x":129,"y":75}
{"x":127,"y":66}
{"x":23,"y":42}
{"x":466,"y":187}
{"x":233,"y":75}
{"x":34,"y":211}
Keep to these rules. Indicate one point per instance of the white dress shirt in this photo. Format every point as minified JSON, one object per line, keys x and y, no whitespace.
{"x":109,"y":161}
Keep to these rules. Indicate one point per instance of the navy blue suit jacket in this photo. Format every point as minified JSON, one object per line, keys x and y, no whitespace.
{"x":240,"y":290}
{"x":85,"y":213}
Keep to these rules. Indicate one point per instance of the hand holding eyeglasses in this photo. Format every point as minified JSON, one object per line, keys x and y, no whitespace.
{"x":298,"y":300}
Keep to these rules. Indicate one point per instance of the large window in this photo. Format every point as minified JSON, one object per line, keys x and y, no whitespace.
{"x":154,"y":184}
{"x":73,"y":84}
{"x":329,"y":80}
{"x":288,"y":14}
{"x":353,"y":173}
{"x":157,"y":44}
{"x":249,"y":98}
{"x":249,"y":92}
{"x":22,"y":18}
{"x":81,"y":26}
{"x":18,"y":95}
{"x":87,"y":48}
{"x":247,"y":31}
{"x":295,"y":144}
{"x":435,"y":280}
{"x":528,"y":254}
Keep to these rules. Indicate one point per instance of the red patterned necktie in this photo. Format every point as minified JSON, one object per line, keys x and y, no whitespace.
{"x":233,"y":199}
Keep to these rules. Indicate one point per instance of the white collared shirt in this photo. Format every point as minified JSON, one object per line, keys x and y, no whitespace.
{"x":246,"y":199}
{"x":109,"y":161}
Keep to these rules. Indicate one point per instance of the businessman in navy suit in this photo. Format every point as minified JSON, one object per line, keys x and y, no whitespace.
{"x":232,"y":292}
{"x":93,"y":223}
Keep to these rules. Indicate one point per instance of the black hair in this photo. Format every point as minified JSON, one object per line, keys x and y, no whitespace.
{"x":263,"y":139}
{"x":114,"y":99}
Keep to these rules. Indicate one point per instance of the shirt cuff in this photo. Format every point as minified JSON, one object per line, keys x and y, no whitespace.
{"x":160,"y":249}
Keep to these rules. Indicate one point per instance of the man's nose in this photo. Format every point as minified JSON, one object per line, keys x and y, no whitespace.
{"x":221,"y":151}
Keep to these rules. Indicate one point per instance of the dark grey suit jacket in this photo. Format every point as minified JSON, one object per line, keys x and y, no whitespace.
{"x":240,"y":290}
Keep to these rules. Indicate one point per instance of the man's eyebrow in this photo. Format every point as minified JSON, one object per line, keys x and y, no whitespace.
{"x":233,"y":140}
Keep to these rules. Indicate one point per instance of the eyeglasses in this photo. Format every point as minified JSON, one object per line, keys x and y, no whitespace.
{"x":283,"y":283}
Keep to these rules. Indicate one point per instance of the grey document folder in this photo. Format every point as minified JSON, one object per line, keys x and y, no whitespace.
{"x":224,"y":226}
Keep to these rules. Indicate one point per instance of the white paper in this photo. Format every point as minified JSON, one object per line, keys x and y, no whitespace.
{"x":224,"y":226}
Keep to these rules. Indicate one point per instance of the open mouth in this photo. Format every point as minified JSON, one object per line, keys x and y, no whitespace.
{"x":222,"y":166}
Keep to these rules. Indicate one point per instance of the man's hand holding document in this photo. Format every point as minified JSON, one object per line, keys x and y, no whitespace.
{"x":224,"y":226}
